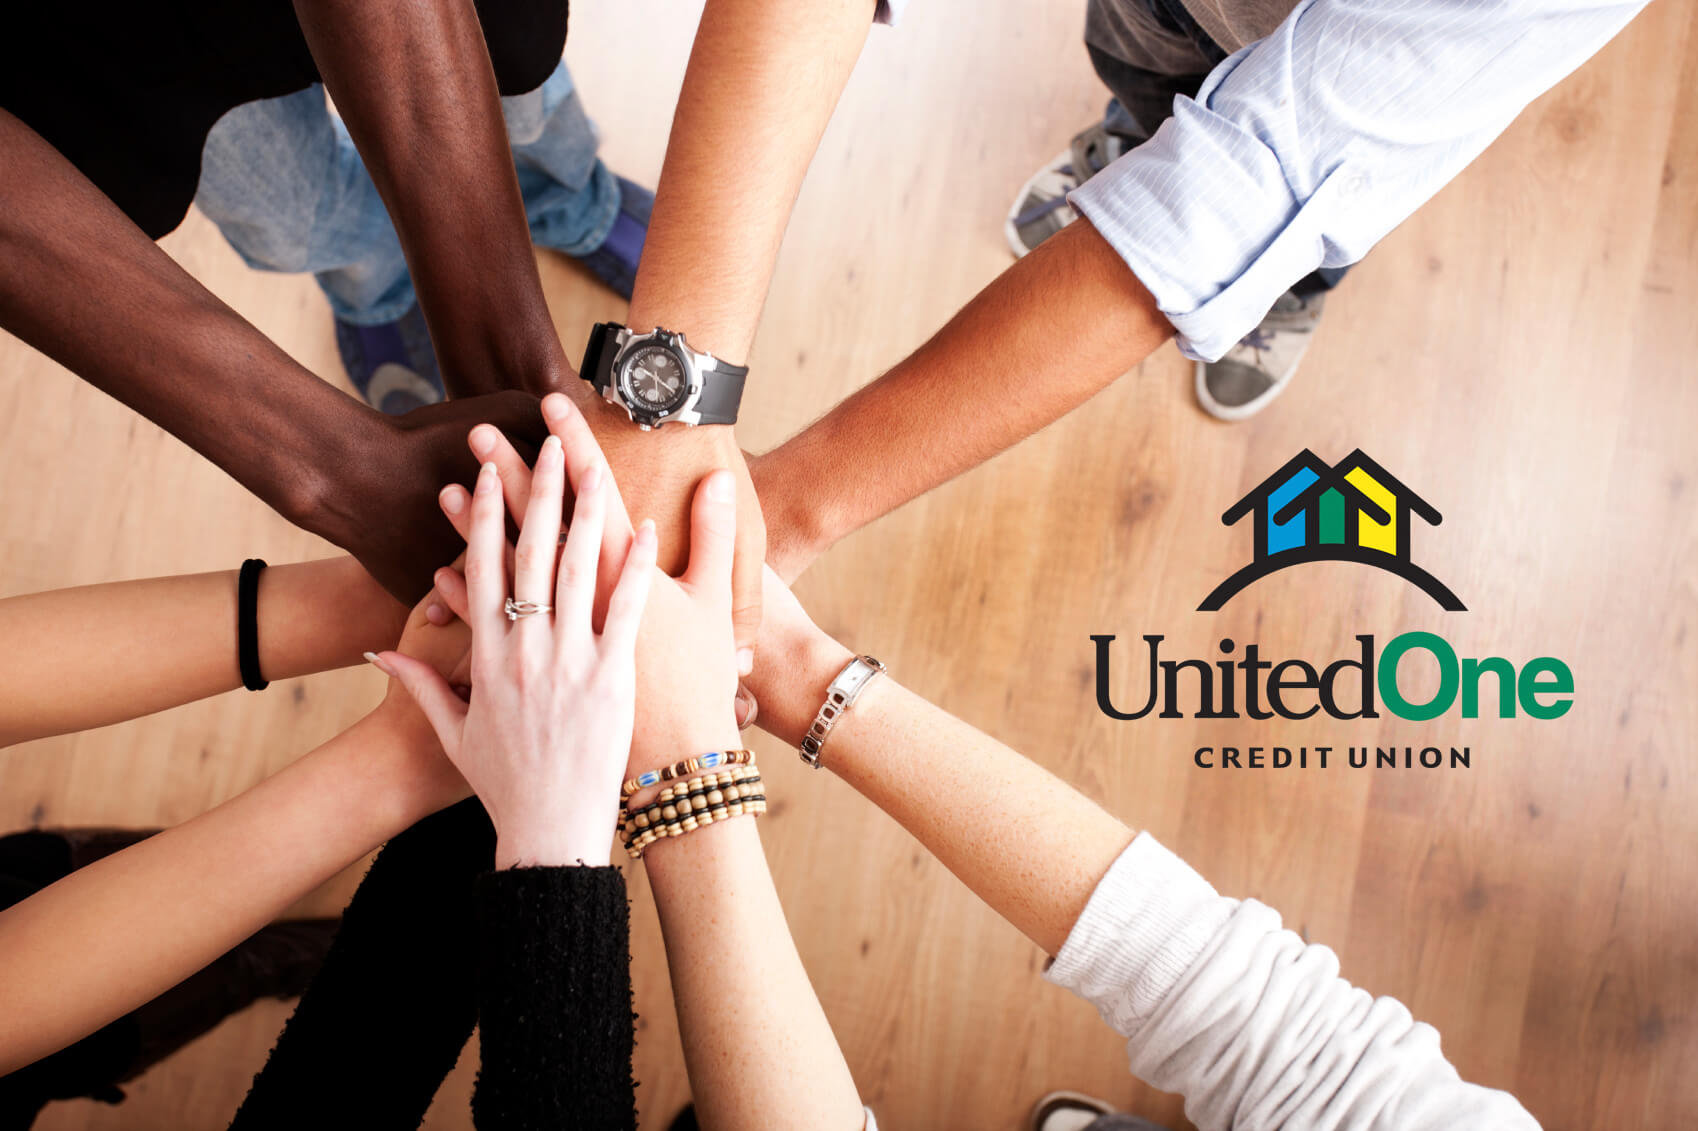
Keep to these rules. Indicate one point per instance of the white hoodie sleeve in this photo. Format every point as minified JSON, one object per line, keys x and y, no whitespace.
{"x":1250,"y":1024}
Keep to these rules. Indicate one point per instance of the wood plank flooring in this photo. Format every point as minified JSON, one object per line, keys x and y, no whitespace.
{"x":1522,"y":352}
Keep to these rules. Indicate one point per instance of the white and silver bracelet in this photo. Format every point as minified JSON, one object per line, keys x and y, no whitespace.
{"x":839,"y":697}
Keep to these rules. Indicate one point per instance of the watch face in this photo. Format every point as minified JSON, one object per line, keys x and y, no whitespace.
{"x":653,"y":378}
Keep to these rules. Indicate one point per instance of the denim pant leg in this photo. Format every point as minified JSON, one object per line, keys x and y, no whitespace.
{"x":571,"y":198}
{"x":283,"y":181}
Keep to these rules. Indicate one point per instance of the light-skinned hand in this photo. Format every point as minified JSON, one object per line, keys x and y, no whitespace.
{"x":687,"y":654}
{"x":582,"y":450}
{"x":544,"y":739}
{"x":444,"y":644}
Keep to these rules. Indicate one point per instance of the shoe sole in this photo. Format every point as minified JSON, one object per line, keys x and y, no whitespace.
{"x":1048,"y":1103}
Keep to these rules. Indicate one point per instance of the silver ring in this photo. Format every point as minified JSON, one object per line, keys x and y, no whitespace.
{"x":517,"y":610}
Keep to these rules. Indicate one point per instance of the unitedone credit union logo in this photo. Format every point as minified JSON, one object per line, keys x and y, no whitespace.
{"x":1353,"y":511}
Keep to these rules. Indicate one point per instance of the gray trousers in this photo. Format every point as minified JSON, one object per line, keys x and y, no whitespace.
{"x":1149,"y":52}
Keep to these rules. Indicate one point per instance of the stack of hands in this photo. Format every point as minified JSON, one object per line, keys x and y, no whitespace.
{"x":539,"y":674}
{"x":537,"y":713}
{"x":576,"y":688}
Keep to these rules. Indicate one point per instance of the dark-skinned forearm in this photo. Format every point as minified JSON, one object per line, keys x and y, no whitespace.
{"x":1047,"y":335}
{"x":414,"y":84}
{"x":86,"y":287}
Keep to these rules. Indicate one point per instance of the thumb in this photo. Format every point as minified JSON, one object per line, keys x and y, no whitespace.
{"x":713,"y":534}
{"x":443,"y":709}
{"x":746,"y":577}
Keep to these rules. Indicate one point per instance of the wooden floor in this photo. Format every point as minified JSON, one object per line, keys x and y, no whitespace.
{"x":1524,"y":353}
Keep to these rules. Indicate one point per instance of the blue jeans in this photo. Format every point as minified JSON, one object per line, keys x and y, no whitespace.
{"x":284,"y":183}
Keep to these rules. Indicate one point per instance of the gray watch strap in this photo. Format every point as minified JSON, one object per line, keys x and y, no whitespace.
{"x":722,"y":392}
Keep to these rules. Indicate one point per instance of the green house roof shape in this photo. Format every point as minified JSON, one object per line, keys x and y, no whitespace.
{"x":1360,"y":460}
{"x":1332,"y":481}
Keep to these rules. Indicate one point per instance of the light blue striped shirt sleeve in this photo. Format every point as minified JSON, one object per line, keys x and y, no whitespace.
{"x":1307,"y":147}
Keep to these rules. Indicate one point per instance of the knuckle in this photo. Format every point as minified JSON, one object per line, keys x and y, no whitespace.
{"x":720,"y":527}
{"x":527,"y":558}
{"x":587,"y":504}
{"x":574,"y":670}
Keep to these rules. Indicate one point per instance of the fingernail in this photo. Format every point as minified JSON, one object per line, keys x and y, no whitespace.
{"x":721,"y":488}
{"x":435,"y":613}
{"x":376,"y":661}
{"x":592,"y":480}
{"x":556,"y":404}
{"x":747,"y":708}
{"x":451,"y":501}
{"x":646,"y":534}
{"x":483,"y":440}
{"x":553,"y":442}
{"x":488,"y":480}
{"x":745,"y":661}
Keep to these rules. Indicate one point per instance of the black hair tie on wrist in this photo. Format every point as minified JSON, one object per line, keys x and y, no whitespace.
{"x":247,"y":625}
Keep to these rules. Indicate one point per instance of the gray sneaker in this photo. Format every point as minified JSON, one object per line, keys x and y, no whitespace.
{"x":1259,"y":368}
{"x":1040,"y":209}
{"x":1071,"y":1111}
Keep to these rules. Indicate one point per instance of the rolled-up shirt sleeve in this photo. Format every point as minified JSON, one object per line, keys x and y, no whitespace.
{"x":1305,"y":148}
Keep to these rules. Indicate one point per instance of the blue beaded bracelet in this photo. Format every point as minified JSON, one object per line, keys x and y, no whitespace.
{"x":708,"y":761}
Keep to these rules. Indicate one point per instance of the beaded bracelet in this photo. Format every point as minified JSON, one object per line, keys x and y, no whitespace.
{"x":692,"y":805}
{"x":693,"y":795}
{"x":751,"y":806}
{"x":687,"y":766}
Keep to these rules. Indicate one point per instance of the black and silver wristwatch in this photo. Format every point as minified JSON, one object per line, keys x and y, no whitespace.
{"x":658,"y":379}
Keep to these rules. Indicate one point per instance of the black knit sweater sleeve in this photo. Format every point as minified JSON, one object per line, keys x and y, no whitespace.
{"x":554,"y":1001}
{"x":393,"y":1005}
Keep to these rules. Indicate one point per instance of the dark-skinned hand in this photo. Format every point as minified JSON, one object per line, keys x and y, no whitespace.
{"x":384,"y":509}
